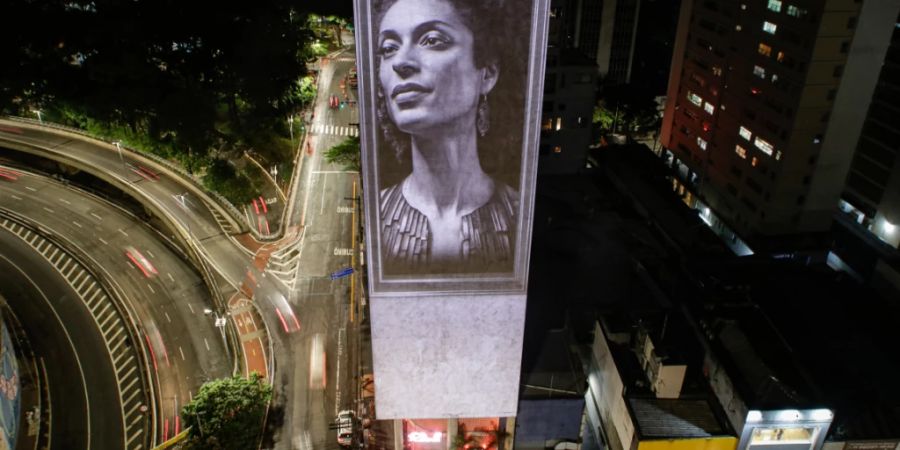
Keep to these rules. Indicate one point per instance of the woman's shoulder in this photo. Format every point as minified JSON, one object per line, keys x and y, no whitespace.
{"x":506,"y":196}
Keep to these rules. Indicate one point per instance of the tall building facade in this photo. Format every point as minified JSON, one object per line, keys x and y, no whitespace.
{"x":766,"y":101}
{"x":570,"y":87}
{"x":604,"y":31}
{"x":872,"y":193}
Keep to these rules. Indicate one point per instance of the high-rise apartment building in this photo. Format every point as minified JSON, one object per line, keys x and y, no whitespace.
{"x":605,"y":32}
{"x":766,"y":101}
{"x":570,"y":85}
{"x":872,"y":194}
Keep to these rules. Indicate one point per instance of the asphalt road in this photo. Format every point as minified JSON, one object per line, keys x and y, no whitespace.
{"x":85,"y":404}
{"x":321,"y":211}
{"x":185,"y":347}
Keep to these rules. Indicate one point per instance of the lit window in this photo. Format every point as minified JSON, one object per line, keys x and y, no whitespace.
{"x":709,"y":108}
{"x":557,"y":149}
{"x":794,"y":11}
{"x":694,"y":98}
{"x":764,"y":49}
{"x":778,"y":155}
{"x":754,"y":161}
{"x":759,"y":71}
{"x":780,"y":57}
{"x":765,"y":146}
{"x":745,"y":133}
{"x":769,"y":27}
{"x":701,"y":143}
{"x":738,"y":27}
{"x":774,"y":78}
{"x":741,"y":151}
{"x":558,"y":123}
{"x":717,"y":71}
{"x":775,"y":5}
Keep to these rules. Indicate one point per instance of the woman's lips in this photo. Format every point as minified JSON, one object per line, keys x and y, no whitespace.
{"x":409,"y":93}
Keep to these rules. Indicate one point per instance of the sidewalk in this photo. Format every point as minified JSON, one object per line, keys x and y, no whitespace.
{"x":377,"y":434}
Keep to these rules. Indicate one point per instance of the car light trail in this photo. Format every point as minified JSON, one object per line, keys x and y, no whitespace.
{"x":281,"y":318}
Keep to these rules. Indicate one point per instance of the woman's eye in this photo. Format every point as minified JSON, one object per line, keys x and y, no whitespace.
{"x":387,"y":49}
{"x":434,"y":40}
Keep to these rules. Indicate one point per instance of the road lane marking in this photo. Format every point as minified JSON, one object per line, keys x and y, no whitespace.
{"x":120,"y":231}
{"x":65,"y":201}
{"x":324,"y":184}
{"x":151,"y":288}
{"x":97,"y":217}
{"x":170,"y":277}
{"x":182,"y":353}
{"x":31,"y":188}
{"x":191,"y":308}
{"x":150,"y":253}
{"x":49,"y":210}
{"x":77,"y":224}
{"x":206,"y":343}
{"x":15,"y":196}
{"x":167,"y":316}
{"x":104,"y":242}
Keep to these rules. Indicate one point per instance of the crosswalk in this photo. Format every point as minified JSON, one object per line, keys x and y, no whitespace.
{"x":335,"y":130}
{"x":113,"y":327}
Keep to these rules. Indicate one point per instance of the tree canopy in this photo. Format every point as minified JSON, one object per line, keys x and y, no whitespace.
{"x":346,"y":154}
{"x":189,"y":81}
{"x":626,"y":109}
{"x":227,"y":413}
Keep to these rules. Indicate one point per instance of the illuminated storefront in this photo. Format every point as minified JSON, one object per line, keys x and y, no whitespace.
{"x":787,"y":429}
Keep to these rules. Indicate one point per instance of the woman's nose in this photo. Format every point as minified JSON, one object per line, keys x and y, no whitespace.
{"x":405,"y":65}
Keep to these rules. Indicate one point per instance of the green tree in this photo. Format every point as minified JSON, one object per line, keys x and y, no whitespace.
{"x":222,"y":177}
{"x":627,"y":110}
{"x":227,"y":413}
{"x":346,"y":154}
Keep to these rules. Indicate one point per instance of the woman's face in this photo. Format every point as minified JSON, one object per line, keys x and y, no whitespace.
{"x":427,"y":73}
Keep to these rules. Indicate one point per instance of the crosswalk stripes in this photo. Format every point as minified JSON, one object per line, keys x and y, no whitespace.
{"x":224,"y":223}
{"x":110,"y":323}
{"x":335,"y":130}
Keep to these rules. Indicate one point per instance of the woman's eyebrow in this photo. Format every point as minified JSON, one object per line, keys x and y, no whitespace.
{"x":389,"y":34}
{"x":430,"y":25}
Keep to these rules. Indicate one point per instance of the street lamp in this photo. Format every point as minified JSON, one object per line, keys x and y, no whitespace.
{"x":291,"y":127}
{"x":118,"y":145}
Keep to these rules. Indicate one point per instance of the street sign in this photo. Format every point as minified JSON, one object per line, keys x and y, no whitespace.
{"x":341,"y":273}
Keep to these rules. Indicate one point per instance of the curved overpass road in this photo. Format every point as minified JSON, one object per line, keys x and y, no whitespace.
{"x":85,"y":408}
{"x":186,"y":348}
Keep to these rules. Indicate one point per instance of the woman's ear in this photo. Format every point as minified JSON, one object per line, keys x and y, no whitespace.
{"x":489,"y":78}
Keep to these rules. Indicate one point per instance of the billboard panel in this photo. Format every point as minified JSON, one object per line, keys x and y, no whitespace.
{"x":450,"y":100}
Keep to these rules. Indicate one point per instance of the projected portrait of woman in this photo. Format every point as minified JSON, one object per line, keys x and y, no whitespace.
{"x":449,"y":105}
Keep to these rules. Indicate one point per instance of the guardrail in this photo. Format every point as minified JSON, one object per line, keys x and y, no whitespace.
{"x":220,"y":200}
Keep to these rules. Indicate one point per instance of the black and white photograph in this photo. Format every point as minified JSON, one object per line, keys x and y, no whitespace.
{"x":447,"y":110}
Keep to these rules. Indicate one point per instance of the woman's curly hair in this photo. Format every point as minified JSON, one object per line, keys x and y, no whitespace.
{"x":501,"y":36}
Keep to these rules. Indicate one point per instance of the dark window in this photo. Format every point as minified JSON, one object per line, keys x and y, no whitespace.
{"x":754,"y":185}
{"x":845,"y":46}
{"x":838,"y":70}
{"x":865,"y":187}
{"x":832,"y":94}
{"x":851,"y":23}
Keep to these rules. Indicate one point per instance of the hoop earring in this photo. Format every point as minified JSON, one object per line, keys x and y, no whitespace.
{"x":483,"y":118}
